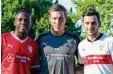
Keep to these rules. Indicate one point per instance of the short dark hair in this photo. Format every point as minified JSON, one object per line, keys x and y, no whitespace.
{"x":57,"y":7}
{"x":23,"y":10}
{"x":91,"y":11}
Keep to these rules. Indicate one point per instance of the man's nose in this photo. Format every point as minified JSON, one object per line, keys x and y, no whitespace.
{"x":57,"y":21}
{"x":90,"y":25}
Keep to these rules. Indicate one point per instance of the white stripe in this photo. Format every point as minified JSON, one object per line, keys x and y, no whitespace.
{"x":18,"y":38}
{"x":37,"y":66}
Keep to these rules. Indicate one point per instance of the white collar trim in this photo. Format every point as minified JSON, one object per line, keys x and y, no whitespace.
{"x":18,"y":38}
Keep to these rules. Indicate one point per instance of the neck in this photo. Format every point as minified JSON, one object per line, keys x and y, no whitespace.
{"x":93,"y":37}
{"x":20,"y":35}
{"x":57,"y":33}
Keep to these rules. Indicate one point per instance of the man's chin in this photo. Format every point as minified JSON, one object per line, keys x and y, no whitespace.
{"x":90,"y":34}
{"x":22,"y":31}
{"x":57,"y":30}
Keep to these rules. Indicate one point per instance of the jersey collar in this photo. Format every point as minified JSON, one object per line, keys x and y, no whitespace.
{"x":96,"y":38}
{"x":18,"y":38}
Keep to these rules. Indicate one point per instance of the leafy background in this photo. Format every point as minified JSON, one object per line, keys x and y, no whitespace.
{"x":39,"y":14}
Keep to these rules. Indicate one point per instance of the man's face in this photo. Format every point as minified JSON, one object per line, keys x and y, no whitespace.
{"x":22,"y":22}
{"x":91,"y":25}
{"x":57,"y":20}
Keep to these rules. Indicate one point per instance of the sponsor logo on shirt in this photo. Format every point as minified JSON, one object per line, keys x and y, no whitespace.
{"x":10,"y":45}
{"x":97,"y":59}
{"x":23,"y":59}
{"x":10,"y":57}
{"x":45,"y":44}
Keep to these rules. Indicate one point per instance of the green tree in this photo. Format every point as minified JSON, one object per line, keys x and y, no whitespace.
{"x":104,"y":7}
{"x":38,"y":9}
{"x":39,"y":14}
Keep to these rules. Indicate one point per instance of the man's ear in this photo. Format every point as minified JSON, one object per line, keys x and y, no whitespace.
{"x":82,"y":22}
{"x":66,"y":18}
{"x":99,"y":24}
{"x":14,"y":22}
{"x":49,"y":17}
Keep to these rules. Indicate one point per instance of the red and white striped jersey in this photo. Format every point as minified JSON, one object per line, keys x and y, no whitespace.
{"x":97,"y":56}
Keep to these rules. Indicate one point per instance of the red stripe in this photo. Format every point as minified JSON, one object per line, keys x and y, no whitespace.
{"x":97,"y":59}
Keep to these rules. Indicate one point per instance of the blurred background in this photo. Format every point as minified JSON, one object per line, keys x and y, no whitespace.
{"x":39,"y":14}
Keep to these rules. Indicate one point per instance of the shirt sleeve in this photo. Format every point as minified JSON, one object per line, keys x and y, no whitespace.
{"x":3,"y":43}
{"x":112,"y":52}
{"x":111,"y":49}
{"x":36,"y":61}
{"x":80,"y":54}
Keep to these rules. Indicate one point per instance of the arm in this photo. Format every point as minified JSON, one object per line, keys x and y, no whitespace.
{"x":34,"y":69}
{"x":79,"y":69}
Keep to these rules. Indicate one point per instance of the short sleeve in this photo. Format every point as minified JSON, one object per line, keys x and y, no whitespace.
{"x":111,"y":48}
{"x":80,"y":54}
{"x":36,"y":60}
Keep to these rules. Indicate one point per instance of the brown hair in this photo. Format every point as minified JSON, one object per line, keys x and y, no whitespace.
{"x":57,"y":7}
{"x":91,"y":11}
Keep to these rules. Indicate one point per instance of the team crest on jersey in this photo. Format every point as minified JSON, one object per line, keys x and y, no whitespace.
{"x":30,"y":49}
{"x":101,"y":47}
{"x":70,"y":44}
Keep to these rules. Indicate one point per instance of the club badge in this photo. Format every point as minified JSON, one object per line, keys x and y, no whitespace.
{"x":101,"y":47}
{"x":30,"y":49}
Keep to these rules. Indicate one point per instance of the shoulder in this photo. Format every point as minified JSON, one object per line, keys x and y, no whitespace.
{"x":75,"y":36}
{"x":5,"y":37}
{"x":83,"y":43}
{"x":5,"y":34}
{"x":107,"y":38}
{"x":41,"y":35}
{"x":31,"y":41}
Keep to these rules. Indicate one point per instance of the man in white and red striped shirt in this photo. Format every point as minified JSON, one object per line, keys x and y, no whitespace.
{"x":96,"y":51}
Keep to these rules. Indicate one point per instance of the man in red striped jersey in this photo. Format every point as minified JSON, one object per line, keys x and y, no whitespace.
{"x":19,"y":51}
{"x":96,"y":51}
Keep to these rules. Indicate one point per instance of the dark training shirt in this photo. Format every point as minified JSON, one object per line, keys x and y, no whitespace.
{"x":57,"y":53}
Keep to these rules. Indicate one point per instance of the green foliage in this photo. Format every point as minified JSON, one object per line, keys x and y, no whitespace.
{"x":70,"y":21}
{"x":39,"y":14}
{"x":43,"y":24}
{"x":70,"y":24}
{"x":104,"y":7}
{"x":38,"y":9}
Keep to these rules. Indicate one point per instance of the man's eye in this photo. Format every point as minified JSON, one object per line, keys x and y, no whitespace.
{"x":93,"y":23}
{"x":87,"y":23}
{"x":19,"y":19}
{"x":54,"y":18}
{"x":60,"y":18}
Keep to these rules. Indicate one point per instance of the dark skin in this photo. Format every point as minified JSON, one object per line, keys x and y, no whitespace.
{"x":22,"y":25}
